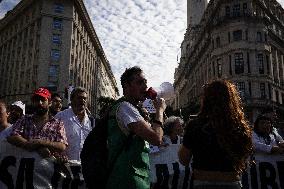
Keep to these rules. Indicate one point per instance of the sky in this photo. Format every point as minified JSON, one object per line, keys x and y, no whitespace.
{"x":147,"y":33}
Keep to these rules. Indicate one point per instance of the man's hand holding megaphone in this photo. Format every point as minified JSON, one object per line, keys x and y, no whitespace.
{"x":159,"y":103}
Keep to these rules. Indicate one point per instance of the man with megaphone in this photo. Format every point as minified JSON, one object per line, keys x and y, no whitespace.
{"x":128,"y":138}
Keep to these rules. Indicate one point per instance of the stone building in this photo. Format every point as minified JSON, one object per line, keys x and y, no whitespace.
{"x":240,"y":40}
{"x":52,"y":43}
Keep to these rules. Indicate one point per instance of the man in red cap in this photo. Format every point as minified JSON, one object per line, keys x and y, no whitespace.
{"x":40,"y":132}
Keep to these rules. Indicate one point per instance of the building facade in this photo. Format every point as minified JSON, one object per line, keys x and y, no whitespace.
{"x":242,"y":41}
{"x":52,"y":43}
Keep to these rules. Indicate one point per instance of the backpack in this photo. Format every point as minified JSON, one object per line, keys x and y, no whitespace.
{"x":94,"y":155}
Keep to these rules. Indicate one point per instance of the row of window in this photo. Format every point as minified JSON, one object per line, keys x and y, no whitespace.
{"x":240,"y":64}
{"x":262,"y":91}
{"x":53,"y":72}
{"x":238,"y":36}
{"x":235,"y":10}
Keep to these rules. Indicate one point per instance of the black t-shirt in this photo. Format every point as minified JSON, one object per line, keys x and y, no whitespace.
{"x":200,"y":138}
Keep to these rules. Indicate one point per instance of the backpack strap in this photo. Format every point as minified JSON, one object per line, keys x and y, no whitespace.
{"x":126,"y":143}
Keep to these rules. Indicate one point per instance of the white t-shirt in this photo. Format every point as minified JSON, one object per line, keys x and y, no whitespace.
{"x":76,"y":132}
{"x":127,"y":113}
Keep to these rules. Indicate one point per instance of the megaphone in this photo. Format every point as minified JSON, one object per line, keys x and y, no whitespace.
{"x":165,"y":91}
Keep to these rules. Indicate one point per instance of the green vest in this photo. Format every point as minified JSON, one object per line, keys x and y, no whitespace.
{"x":131,"y":168}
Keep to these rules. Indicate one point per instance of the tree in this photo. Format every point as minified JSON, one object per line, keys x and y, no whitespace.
{"x":104,"y":104}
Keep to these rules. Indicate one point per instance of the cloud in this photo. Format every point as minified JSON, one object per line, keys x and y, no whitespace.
{"x":6,"y":5}
{"x":146,"y":33}
{"x":139,"y":32}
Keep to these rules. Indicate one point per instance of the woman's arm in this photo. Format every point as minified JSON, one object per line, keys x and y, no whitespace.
{"x":184,"y":155}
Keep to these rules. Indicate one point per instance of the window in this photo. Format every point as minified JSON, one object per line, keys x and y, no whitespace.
{"x":236,"y":10}
{"x":227,"y":11}
{"x":52,"y":86}
{"x":259,"y":60}
{"x":57,"y":23}
{"x":249,"y":88}
{"x":218,"y":43}
{"x":262,"y":90}
{"x":248,"y":62}
{"x":229,"y":37}
{"x":55,"y":54}
{"x":277,"y":96}
{"x":53,"y":71}
{"x":230,"y":64}
{"x":219,"y":67}
{"x":239,"y":63}
{"x":237,"y":35}
{"x":246,"y":34}
{"x":241,"y":88}
{"x":267,"y":64}
{"x":245,"y":6}
{"x":58,"y":7}
{"x":258,"y":37}
{"x":56,"y":39}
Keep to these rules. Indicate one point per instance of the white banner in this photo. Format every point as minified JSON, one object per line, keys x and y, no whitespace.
{"x":267,"y":173}
{"x":165,"y":169}
{"x":27,"y":170}
{"x":22,"y":169}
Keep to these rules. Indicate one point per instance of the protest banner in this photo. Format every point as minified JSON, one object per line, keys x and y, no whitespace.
{"x":22,"y":169}
{"x":266,"y":173}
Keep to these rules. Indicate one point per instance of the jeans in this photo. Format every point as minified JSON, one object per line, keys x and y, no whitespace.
{"x":197,"y":184}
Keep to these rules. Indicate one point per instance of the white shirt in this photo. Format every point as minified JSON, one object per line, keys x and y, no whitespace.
{"x":5,"y":133}
{"x":260,"y":144}
{"x":76,"y":132}
{"x":127,"y":113}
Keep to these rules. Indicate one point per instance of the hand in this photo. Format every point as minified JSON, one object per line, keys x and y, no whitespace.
{"x":44,"y":152}
{"x":160,"y":104}
{"x":277,"y":150}
{"x":60,"y":158}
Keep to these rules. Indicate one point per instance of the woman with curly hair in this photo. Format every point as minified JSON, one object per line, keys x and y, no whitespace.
{"x":219,"y":139}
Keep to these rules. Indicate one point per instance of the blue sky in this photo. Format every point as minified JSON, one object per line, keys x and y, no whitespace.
{"x":147,"y":33}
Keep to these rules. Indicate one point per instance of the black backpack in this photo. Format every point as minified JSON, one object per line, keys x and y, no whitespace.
{"x":94,"y":155}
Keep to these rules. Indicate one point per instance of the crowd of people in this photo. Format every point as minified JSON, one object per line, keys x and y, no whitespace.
{"x":219,"y":140}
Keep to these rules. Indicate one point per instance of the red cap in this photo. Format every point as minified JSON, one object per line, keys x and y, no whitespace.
{"x":43,"y":92}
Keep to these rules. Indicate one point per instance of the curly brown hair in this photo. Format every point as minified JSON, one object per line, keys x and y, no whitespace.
{"x":222,"y":105}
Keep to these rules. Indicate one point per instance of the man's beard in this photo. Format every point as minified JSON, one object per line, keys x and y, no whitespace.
{"x":41,"y":111}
